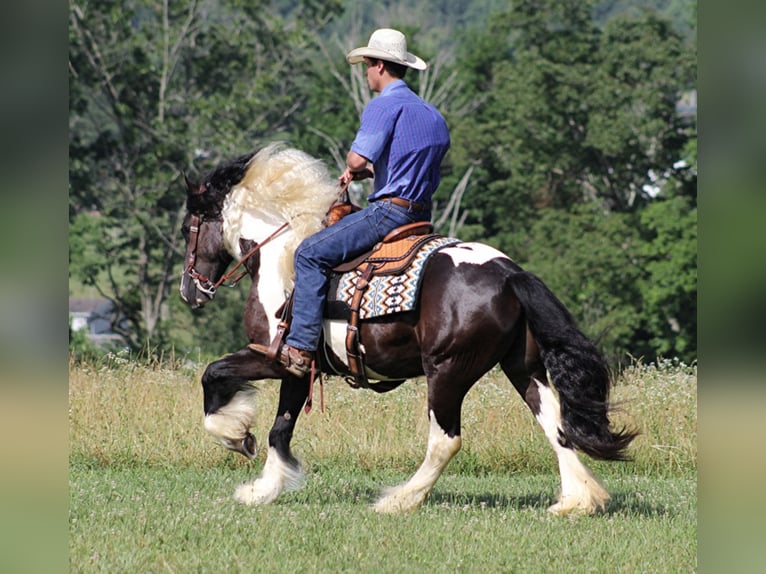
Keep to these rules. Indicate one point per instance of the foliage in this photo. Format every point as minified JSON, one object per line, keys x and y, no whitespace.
{"x":572,"y":113}
{"x":575,"y":126}
{"x":562,"y":251}
{"x":154,"y":89}
{"x":567,"y":143}
{"x":80,"y":348}
{"x":669,"y":284}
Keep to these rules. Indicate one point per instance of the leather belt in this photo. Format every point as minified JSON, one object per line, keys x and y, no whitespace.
{"x":411,"y":205}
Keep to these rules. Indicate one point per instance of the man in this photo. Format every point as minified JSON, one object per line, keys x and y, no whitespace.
{"x":404,"y":140}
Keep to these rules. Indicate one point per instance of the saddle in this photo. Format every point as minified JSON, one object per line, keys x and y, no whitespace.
{"x":393,"y":255}
{"x":394,"y":252}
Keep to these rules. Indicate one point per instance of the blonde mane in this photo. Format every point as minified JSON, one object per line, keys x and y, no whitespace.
{"x":281,"y":184}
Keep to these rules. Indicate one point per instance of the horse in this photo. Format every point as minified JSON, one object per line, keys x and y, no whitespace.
{"x":477,"y":308}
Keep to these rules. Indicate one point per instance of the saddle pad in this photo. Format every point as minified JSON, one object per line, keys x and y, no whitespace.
{"x":386,"y":294}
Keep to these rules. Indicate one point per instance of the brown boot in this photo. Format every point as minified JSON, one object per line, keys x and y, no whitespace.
{"x":295,"y":361}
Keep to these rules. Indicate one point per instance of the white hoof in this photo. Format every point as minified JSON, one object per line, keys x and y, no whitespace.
{"x":255,"y":493}
{"x":277,"y":477}
{"x":587,"y":503}
{"x":395,"y":501}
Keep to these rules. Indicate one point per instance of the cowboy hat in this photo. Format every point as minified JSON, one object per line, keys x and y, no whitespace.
{"x":387,"y":44}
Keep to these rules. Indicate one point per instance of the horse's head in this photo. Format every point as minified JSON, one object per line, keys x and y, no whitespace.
{"x":206,"y":256}
{"x":278,"y":194}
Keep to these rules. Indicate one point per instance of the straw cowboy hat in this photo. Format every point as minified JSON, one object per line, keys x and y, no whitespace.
{"x":387,"y":44}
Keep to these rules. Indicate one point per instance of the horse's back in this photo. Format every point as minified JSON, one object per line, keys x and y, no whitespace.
{"x":465,"y":310}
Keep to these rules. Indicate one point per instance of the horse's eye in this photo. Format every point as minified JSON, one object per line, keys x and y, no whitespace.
{"x":185,"y":232}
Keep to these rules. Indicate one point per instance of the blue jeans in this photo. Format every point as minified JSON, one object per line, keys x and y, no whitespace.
{"x":318,"y":254}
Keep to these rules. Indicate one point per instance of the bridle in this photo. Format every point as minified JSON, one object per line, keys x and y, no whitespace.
{"x":203,"y":283}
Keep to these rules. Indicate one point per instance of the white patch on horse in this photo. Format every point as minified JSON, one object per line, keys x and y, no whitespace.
{"x":580,"y":489}
{"x":335,"y":336}
{"x":272,"y":292}
{"x":231,"y":423}
{"x":472,"y":253}
{"x":277,"y":477}
{"x":410,"y":495}
{"x":281,"y":185}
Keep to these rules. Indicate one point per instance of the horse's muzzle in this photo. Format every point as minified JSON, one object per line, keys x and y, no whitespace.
{"x":193,"y":293}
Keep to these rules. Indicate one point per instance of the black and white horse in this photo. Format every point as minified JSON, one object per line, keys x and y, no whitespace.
{"x":477,"y":308}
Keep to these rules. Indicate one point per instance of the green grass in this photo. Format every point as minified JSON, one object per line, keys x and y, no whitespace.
{"x":151,"y":519}
{"x":150,"y":492}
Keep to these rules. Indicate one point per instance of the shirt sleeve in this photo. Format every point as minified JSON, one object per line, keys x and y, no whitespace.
{"x":378,"y":121}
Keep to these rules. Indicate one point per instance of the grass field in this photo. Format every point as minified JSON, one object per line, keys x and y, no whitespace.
{"x":151,"y":492}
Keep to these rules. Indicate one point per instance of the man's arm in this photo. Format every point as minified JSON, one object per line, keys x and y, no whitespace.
{"x":356,"y":168}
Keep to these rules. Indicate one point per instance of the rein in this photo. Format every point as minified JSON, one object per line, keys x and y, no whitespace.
{"x":203,"y":283}
{"x":206,"y":285}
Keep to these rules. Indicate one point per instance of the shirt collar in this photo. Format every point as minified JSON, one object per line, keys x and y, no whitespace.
{"x":396,"y":84}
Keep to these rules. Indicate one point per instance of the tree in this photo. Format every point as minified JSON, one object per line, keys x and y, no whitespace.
{"x":156,"y":89}
{"x":592,"y":260}
{"x":634,"y":128}
{"x":576,"y":127}
{"x":564,"y":129}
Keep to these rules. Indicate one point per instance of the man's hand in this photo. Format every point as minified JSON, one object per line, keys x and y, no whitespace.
{"x":348,"y":176}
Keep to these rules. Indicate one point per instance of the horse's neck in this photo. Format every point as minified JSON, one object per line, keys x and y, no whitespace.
{"x":247,"y":215}
{"x":273,"y":280}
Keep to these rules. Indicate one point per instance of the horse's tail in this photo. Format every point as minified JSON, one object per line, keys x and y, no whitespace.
{"x":578,"y":370}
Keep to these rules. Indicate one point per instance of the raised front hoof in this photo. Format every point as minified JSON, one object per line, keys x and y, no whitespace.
{"x":247,"y":447}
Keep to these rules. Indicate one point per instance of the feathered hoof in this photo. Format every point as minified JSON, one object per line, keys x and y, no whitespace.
{"x":253,"y":494}
{"x":399,"y":503}
{"x":580,"y":507}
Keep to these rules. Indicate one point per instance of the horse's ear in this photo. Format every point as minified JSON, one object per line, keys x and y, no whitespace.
{"x":189,"y":183}
{"x":191,"y":187}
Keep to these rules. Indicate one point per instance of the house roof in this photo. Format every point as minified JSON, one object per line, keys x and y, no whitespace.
{"x":88,"y":305}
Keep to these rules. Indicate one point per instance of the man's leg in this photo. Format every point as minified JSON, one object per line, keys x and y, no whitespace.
{"x":318,"y":254}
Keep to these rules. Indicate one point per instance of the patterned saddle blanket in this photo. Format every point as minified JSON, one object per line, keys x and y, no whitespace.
{"x":392,"y":288}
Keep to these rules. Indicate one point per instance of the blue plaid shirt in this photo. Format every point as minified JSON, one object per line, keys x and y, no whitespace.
{"x":405,"y":138}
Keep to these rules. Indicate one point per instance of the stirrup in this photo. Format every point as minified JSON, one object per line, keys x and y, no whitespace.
{"x":299,"y":363}
{"x":258,"y":348}
{"x":298,"y":368}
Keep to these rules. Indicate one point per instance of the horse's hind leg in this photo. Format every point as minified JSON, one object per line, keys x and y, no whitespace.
{"x":282,"y":471}
{"x":580,"y":491}
{"x":442,"y":446}
{"x":444,"y":441}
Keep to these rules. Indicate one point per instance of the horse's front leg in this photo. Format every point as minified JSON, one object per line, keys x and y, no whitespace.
{"x":228,"y":399}
{"x":282,"y":471}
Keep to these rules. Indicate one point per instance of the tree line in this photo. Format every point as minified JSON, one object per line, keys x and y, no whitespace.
{"x":573,"y":151}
